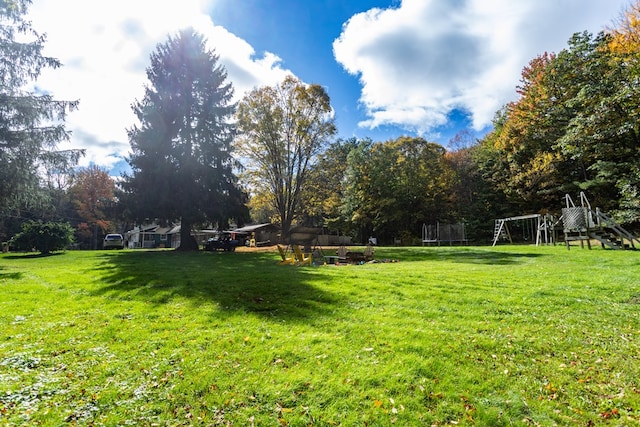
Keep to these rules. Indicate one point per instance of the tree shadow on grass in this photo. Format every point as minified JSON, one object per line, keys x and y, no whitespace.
{"x":10,"y":276}
{"x":235,"y":282}
{"x":460,"y":254}
{"x":32,"y":255}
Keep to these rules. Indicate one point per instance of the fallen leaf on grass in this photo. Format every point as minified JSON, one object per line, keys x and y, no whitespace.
{"x":614,"y":413}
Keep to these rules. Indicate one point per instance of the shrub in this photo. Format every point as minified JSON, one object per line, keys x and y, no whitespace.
{"x":43,"y":236}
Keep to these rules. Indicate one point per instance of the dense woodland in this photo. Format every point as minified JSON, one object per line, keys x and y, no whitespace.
{"x":575,"y":126}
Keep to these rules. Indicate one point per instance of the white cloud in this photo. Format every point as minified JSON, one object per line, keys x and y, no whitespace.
{"x":416,"y":62}
{"x":420,"y":61}
{"x":104,"y":48}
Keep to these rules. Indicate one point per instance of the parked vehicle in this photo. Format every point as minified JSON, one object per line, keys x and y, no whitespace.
{"x":113,"y":241}
{"x":221,"y":242}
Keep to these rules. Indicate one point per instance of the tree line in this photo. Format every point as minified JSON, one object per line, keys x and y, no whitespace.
{"x":199,"y":158}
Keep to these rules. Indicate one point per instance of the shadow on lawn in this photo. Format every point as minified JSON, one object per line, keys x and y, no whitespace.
{"x":32,"y":255}
{"x":460,"y":254}
{"x":9,"y":276}
{"x":249,"y":282}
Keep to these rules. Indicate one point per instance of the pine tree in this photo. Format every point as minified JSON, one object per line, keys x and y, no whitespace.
{"x":31,"y":122}
{"x":182,"y":164}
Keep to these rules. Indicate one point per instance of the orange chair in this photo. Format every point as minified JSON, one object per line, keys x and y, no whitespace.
{"x":300,"y":258}
{"x":286,"y":259}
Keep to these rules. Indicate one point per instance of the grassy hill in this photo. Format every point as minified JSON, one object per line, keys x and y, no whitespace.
{"x":512,"y":335}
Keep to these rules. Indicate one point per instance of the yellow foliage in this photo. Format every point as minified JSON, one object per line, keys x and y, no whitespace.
{"x":625,"y":37}
{"x":538,"y":170}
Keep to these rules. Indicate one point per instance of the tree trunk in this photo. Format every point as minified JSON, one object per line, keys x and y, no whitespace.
{"x":285,"y":233}
{"x":187,"y":241}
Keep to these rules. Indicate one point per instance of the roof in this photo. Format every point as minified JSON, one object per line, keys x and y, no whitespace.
{"x":255,"y":227}
{"x":174,"y":230}
{"x":301,"y":229}
{"x":304,"y":234}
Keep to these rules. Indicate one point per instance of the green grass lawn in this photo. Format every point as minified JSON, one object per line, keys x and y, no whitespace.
{"x":511,"y":335}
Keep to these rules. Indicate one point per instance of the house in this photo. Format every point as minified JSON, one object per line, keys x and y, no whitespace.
{"x":156,"y":236}
{"x":153,"y":236}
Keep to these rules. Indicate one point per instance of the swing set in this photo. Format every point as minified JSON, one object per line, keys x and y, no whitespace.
{"x":537,"y":225}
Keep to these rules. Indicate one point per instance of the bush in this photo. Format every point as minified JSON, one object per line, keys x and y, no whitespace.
{"x":43,"y":236}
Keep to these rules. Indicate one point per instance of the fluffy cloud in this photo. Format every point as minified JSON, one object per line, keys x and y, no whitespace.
{"x":104,"y":48}
{"x":422,"y":60}
{"x":416,"y":63}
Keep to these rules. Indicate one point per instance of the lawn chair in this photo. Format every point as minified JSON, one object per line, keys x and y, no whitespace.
{"x":299,"y":256}
{"x":286,"y":259}
{"x":342,"y":253}
{"x":368,"y":253}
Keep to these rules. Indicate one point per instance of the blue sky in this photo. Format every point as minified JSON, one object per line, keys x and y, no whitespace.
{"x":304,"y":32}
{"x":397,"y":67}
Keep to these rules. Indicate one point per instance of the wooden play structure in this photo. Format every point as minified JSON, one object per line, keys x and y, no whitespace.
{"x":440,"y":233}
{"x":584,"y":224}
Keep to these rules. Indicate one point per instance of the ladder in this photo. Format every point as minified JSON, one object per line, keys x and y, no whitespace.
{"x":500,"y":230}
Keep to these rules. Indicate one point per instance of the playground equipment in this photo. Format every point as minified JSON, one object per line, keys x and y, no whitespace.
{"x":582,"y":223}
{"x":537,"y":225}
{"x":579,"y":223}
{"x":443,"y":233}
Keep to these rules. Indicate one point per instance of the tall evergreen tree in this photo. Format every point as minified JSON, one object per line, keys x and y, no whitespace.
{"x":31,"y":122}
{"x":182,"y":164}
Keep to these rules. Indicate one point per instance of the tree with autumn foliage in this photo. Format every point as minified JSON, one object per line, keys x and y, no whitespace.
{"x":530,"y":169}
{"x":624,"y":47}
{"x":625,"y":33}
{"x":392,"y":188}
{"x":92,"y":195}
{"x":473,"y":200}
{"x":282,"y":129}
{"x":575,"y":127}
{"x":324,"y":192}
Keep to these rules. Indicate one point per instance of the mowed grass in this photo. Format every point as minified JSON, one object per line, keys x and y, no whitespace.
{"x":512,"y":335}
